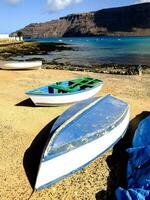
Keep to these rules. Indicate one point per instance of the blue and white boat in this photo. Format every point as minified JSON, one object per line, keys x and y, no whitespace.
{"x":81,"y":134}
{"x":65,"y":92}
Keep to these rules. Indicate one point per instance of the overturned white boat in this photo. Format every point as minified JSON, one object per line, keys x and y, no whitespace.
{"x":81,"y":134}
{"x":65,"y":92}
{"x":22,"y":65}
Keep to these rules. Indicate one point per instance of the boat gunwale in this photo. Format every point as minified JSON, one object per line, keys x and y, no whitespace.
{"x":21,"y":65}
{"x":30,"y":92}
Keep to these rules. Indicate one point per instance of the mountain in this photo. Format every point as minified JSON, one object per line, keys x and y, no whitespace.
{"x":131,"y":20}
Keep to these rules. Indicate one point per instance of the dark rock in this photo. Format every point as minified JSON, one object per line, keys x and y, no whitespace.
{"x":117,"y":69}
{"x":34,"y":48}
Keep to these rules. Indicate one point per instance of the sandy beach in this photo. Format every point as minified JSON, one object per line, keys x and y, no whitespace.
{"x":24,"y":128}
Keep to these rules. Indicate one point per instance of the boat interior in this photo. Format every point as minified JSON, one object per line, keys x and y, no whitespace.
{"x":68,"y":86}
{"x":73,"y":85}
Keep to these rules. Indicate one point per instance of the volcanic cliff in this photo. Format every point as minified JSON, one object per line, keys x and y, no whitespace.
{"x":131,"y":20}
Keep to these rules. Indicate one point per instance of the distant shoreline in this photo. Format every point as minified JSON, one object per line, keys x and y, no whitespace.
{"x":8,"y":52}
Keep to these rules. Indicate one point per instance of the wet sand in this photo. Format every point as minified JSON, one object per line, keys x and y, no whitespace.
{"x":24,"y":129}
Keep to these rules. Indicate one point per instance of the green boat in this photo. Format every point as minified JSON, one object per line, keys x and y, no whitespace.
{"x":65,"y":92}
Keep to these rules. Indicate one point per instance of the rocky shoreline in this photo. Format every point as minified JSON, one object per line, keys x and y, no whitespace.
{"x":9,"y":52}
{"x":118,"y":69}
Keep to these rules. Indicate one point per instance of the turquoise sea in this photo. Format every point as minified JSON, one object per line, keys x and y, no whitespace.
{"x":98,"y":50}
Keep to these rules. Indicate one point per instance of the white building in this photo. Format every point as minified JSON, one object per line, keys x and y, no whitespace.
{"x":4,"y":36}
{"x":7,"y":37}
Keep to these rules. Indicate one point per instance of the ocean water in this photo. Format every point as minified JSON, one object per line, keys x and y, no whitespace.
{"x":99,"y":50}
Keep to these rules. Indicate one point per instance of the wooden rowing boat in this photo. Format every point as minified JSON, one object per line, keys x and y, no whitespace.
{"x":81,"y":134}
{"x":65,"y":92}
{"x":25,"y":65}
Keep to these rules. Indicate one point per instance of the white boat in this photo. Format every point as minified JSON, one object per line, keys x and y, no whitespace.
{"x":21,"y":65}
{"x":81,"y":134}
{"x":65,"y":92}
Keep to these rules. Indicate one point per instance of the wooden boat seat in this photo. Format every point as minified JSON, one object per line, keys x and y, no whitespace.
{"x":74,"y":85}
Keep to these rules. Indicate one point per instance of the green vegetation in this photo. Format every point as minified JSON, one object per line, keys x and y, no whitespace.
{"x":19,"y":34}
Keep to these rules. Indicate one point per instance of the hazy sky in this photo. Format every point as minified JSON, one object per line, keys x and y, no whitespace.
{"x":15,"y":14}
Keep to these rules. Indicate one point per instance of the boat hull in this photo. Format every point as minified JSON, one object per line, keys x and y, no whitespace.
{"x":52,"y":170}
{"x":55,"y":100}
{"x":22,"y":65}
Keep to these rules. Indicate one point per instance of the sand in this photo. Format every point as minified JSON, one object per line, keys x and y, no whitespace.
{"x":22,"y":127}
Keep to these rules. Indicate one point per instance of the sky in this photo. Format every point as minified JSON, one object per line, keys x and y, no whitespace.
{"x":16,"y":14}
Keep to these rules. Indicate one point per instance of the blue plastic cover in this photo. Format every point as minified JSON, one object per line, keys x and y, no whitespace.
{"x":133,"y":194}
{"x":138,"y":170}
{"x":89,"y":124}
{"x":142,"y":134}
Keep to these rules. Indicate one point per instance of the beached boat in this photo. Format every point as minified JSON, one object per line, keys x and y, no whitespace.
{"x":65,"y":92}
{"x":81,"y":134}
{"x":22,"y":65}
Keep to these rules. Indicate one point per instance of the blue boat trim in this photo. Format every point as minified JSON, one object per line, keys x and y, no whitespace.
{"x":30,"y":92}
{"x":55,"y":181}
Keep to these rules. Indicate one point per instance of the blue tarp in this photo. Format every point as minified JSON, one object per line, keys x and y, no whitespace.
{"x":138,"y":169}
{"x":142,"y":134}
